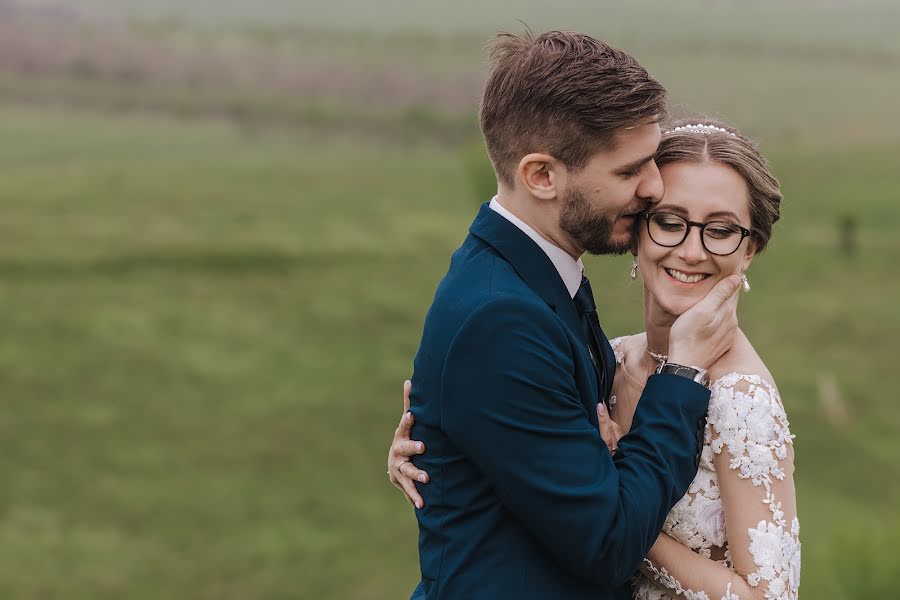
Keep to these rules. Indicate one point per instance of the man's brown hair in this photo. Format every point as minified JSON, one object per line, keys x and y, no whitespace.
{"x":564,"y":94}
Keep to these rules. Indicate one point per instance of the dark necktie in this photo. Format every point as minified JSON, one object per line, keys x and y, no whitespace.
{"x":590,"y":324}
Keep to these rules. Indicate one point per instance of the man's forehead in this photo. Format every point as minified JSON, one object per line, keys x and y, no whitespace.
{"x":635,"y":144}
{"x":648,"y":121}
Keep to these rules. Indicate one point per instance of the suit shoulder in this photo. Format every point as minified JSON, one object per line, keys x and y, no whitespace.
{"x":478,"y":274}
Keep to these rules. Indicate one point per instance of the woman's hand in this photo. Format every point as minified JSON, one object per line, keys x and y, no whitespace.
{"x":610,"y":431}
{"x":400,"y":469}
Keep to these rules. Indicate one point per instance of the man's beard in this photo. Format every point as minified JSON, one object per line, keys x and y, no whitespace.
{"x":590,"y":228}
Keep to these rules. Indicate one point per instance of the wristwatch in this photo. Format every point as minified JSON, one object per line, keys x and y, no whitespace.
{"x":697,"y":374}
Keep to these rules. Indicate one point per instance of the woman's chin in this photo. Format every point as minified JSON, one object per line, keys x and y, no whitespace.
{"x":677,"y":304}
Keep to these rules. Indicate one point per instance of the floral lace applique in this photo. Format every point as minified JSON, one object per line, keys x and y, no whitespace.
{"x":747,"y":418}
{"x":663,"y":577}
{"x":615,"y":343}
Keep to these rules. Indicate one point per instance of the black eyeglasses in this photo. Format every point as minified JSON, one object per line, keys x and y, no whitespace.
{"x":718,"y":237}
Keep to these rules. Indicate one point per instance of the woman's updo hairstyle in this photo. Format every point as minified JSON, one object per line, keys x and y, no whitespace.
{"x":707,"y":140}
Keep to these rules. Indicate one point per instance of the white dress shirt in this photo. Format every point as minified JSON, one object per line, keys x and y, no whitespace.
{"x":569,"y":269}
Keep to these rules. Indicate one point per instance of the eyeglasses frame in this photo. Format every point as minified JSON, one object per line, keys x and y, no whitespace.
{"x":646,"y":216}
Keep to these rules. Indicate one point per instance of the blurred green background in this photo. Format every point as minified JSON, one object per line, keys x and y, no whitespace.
{"x":221,"y":225}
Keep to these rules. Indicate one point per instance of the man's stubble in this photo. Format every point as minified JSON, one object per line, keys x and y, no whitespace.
{"x":589,"y":227}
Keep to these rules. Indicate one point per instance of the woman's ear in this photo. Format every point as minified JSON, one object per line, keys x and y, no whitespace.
{"x":749,"y":254}
{"x":541,"y":175}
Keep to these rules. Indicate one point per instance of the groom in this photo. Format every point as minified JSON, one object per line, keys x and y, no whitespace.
{"x":525,"y":500}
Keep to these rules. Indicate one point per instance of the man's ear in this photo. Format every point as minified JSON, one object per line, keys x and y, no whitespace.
{"x":541,"y":175}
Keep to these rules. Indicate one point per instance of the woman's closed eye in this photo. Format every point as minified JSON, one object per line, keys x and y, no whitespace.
{"x":722,"y":230}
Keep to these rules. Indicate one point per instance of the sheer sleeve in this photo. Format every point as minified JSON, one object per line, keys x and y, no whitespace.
{"x":752,"y":451}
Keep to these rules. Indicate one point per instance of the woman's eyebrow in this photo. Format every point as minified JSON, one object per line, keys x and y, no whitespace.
{"x":723,"y":213}
{"x":682,"y":211}
{"x":670,"y":208}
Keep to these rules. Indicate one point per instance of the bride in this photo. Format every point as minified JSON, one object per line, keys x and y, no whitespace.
{"x":735,"y":534}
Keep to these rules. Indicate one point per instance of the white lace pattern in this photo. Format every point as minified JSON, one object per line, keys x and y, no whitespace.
{"x":747,"y":419}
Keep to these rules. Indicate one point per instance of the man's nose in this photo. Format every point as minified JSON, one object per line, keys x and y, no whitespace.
{"x":651,"y":187}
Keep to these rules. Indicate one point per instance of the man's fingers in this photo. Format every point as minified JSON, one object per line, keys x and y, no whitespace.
{"x":409,"y":470}
{"x":407,"y":386}
{"x":732,"y":300}
{"x":724,"y":291}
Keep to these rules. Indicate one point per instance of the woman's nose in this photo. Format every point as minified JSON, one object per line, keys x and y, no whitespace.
{"x":691,"y":249}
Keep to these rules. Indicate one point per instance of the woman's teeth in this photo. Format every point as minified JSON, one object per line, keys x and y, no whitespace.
{"x":685,"y":278}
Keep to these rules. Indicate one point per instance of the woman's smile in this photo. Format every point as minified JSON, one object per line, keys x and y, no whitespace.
{"x":685,"y":278}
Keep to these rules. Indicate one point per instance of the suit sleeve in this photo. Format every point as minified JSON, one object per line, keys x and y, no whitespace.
{"x":510,"y":403}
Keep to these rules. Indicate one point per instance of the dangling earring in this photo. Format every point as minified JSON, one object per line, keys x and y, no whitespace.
{"x":746,"y":283}
{"x":634,"y":268}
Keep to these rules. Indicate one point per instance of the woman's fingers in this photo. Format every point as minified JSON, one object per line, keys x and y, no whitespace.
{"x":409,"y":490}
{"x":405,"y":426}
{"x":410,"y":471}
{"x":609,"y":429}
{"x":406,"y":449}
{"x":403,"y":474}
{"x":407,"y":386}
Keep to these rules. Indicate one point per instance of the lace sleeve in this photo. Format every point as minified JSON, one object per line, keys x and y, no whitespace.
{"x":748,"y":432}
{"x":616,"y":344}
{"x":750,"y":444}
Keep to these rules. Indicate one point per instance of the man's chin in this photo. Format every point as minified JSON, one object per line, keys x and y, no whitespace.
{"x":611,"y":245}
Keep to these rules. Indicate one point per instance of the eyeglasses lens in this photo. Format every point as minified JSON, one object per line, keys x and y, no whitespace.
{"x":719,"y":237}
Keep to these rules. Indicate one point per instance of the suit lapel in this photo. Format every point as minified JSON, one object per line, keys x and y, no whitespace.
{"x":529,"y":261}
{"x":540,"y":274}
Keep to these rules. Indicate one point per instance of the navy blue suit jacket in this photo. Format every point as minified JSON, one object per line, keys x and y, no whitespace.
{"x":525,"y":500}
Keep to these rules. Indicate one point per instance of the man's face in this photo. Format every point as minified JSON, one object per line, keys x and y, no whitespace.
{"x":601,"y":202}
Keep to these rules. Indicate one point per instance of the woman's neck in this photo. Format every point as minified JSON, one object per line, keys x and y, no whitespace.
{"x":657,"y":324}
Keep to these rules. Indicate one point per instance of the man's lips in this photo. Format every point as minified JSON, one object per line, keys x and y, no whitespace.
{"x":634,"y":213}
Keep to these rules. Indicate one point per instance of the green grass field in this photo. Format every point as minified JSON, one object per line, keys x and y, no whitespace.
{"x":205,"y":335}
{"x":210,"y":295}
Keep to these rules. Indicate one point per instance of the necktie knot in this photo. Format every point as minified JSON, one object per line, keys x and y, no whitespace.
{"x":584,"y":297}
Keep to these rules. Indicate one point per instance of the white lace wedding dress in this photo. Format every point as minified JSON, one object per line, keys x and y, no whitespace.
{"x":737,"y":526}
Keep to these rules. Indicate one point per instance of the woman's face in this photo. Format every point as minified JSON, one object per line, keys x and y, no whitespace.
{"x":677,"y":278}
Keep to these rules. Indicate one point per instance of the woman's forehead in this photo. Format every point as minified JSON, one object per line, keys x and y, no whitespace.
{"x":698,"y":190}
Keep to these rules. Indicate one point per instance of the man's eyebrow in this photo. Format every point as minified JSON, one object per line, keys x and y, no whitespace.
{"x":630,"y":167}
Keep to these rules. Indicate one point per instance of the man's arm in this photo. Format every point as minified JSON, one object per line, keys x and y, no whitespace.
{"x":510,"y":403}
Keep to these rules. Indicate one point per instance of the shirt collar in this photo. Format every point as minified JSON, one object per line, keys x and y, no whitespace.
{"x":569,"y":269}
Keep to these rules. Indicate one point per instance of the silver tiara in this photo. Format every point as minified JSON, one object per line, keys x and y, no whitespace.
{"x":702,"y":128}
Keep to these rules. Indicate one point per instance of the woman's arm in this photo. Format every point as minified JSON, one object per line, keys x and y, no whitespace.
{"x":403,"y":473}
{"x":753,"y":456}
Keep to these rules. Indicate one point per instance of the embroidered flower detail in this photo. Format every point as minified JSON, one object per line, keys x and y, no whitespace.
{"x":747,"y":419}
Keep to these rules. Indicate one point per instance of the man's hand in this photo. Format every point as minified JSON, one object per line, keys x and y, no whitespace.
{"x":610,"y":432}
{"x":705,"y":332}
{"x":400,"y":469}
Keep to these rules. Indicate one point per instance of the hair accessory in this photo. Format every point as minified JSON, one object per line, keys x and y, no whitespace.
{"x":702,"y":128}
{"x":634,"y":267}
